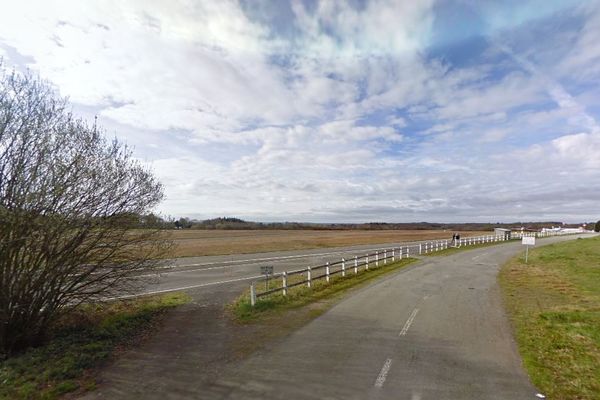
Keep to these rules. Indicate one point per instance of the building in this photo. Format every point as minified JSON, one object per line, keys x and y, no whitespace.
{"x":502,"y":232}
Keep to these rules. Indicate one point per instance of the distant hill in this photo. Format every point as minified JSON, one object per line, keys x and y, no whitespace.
{"x":155,"y":221}
{"x":236,"y":223}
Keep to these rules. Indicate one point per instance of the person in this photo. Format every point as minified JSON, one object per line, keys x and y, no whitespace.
{"x":453,"y":239}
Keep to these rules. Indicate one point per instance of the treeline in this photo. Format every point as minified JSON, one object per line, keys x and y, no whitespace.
{"x":155,"y":221}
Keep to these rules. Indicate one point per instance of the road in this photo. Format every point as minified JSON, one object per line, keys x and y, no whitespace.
{"x":434,"y":331}
{"x":198,"y":272}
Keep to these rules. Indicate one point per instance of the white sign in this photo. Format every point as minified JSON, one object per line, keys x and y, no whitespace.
{"x":528,"y":240}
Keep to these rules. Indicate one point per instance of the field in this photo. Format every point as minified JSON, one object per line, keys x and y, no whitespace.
{"x":189,"y":243}
{"x":554,"y":304}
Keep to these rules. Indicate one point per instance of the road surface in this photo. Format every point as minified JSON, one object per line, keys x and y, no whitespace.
{"x":198,"y":272}
{"x":435,"y":330}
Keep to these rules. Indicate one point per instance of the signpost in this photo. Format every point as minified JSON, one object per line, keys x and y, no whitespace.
{"x":266,"y":270}
{"x":527,"y":241}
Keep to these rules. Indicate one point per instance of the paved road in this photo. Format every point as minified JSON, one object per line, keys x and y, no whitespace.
{"x":434,"y":331}
{"x":198,"y":272}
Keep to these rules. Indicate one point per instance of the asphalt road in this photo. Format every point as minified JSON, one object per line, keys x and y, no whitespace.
{"x":434,"y":331}
{"x":199,"y":272}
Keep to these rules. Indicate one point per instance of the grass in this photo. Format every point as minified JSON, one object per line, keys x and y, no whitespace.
{"x":300,"y":296}
{"x":191,"y":242}
{"x":554,"y":304}
{"x":79,"y":342}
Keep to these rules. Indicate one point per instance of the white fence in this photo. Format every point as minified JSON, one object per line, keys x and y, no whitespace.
{"x":364,"y":262}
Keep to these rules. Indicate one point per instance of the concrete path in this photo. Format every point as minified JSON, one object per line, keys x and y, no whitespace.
{"x":436,"y":330}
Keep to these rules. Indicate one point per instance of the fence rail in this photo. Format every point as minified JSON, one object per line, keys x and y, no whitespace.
{"x":354,"y":264}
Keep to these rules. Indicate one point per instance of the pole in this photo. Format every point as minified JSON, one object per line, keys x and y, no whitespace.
{"x":252,"y":295}
{"x":526,"y":253}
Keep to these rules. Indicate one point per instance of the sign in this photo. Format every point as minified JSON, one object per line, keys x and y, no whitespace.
{"x":528,"y":240}
{"x":266,"y":270}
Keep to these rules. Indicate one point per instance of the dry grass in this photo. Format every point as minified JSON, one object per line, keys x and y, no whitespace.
{"x":189,"y":243}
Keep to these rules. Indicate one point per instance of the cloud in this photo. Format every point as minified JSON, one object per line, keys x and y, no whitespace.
{"x":334,"y":110}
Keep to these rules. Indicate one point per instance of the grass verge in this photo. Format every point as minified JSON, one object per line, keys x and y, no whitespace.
{"x":554,"y":304}
{"x":300,"y":296}
{"x":79,"y":342}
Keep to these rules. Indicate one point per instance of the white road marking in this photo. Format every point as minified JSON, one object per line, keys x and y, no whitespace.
{"x":251,"y":260}
{"x":409,"y":322}
{"x":130,"y":296}
{"x":383,"y":374}
{"x":248,"y":262}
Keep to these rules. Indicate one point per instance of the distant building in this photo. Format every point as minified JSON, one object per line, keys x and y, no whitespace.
{"x":502,"y":232}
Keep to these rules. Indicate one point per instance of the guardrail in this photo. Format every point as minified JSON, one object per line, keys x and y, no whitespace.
{"x":354,"y":264}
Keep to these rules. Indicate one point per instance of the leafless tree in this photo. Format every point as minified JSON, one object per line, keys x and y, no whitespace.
{"x":69,"y":202}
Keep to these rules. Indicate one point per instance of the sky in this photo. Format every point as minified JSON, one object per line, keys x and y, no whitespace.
{"x":332,"y":111}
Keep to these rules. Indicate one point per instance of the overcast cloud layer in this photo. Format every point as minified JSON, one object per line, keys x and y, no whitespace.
{"x":336,"y":111}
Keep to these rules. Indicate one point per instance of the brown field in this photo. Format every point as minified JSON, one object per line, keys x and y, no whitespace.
{"x":191,"y":243}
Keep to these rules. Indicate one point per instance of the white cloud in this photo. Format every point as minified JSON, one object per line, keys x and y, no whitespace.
{"x":345,"y":116}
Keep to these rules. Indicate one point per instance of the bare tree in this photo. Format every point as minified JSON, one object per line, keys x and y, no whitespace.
{"x":69,"y":201}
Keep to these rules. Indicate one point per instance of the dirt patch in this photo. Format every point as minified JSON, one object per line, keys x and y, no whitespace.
{"x":192,"y":347}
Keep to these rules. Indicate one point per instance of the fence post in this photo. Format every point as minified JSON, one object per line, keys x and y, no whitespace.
{"x":355,"y":265}
{"x":385,"y":257}
{"x":252,"y":295}
{"x":393,"y":255}
{"x":327,"y":272}
{"x":309,"y":277}
{"x":407,"y":252}
{"x":284,"y":283}
{"x":367,"y":261}
{"x":377,"y":258}
{"x":343,"y":267}
{"x":420,"y":249}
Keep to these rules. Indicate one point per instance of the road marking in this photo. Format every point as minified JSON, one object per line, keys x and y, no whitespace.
{"x":130,"y":296}
{"x":184,"y":271}
{"x":250,"y":260}
{"x":383,"y":374}
{"x":409,"y":322}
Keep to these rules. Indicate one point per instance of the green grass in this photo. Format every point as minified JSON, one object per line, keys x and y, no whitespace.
{"x":80,"y":341}
{"x":554,"y":304}
{"x":300,"y":296}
